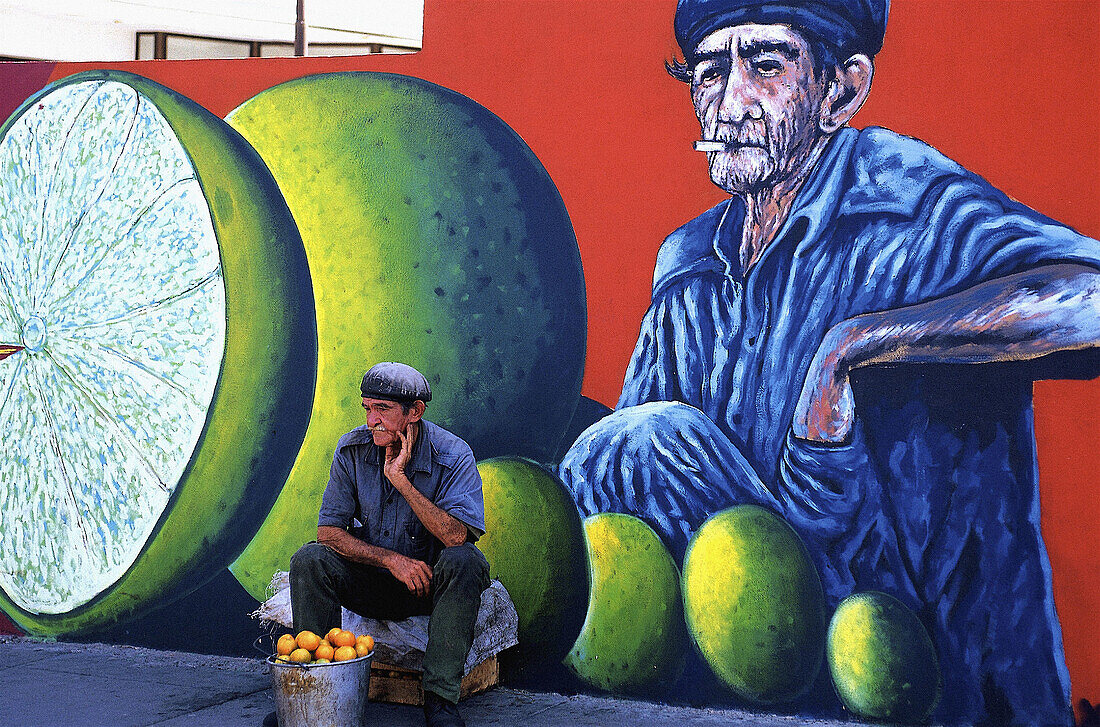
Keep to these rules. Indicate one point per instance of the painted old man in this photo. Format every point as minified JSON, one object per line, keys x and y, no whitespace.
{"x":851,"y":340}
{"x":398,"y":519}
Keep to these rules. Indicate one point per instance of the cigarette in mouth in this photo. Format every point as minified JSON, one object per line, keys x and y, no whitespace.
{"x":709,"y":145}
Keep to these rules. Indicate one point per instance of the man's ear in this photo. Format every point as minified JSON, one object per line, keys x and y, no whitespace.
{"x":846,"y":94}
{"x":416,"y":411}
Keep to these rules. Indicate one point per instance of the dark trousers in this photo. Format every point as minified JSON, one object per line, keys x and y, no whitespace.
{"x":322,"y":581}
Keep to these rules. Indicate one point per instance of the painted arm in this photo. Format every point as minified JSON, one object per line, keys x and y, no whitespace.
{"x":1015,"y":318}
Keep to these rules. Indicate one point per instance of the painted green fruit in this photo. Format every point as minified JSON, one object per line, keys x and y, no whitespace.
{"x":436,"y":238}
{"x":881,"y":659}
{"x":534,"y":543}
{"x":633,"y":639}
{"x":157,"y":309}
{"x":754,"y":604}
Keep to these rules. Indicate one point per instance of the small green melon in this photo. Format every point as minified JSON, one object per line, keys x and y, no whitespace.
{"x":882,"y":660}
{"x":534,"y":543}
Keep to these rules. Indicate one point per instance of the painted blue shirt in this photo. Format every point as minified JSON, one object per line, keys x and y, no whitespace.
{"x":935,"y":498}
{"x":441,"y":467}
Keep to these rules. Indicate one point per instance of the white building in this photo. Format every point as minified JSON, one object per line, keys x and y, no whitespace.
{"x":115,"y":30}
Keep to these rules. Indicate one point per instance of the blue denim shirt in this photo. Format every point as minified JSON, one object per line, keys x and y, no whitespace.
{"x":441,"y":467}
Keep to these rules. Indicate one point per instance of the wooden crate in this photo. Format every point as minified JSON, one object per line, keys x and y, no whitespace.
{"x":389,"y":683}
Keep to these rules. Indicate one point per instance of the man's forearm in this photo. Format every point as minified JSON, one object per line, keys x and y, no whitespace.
{"x":352,"y":548}
{"x":448,"y":529}
{"x":415,"y":574}
{"x":1015,"y":318}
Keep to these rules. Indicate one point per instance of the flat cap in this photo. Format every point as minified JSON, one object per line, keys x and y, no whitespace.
{"x":851,"y":25}
{"x":397,"y":381}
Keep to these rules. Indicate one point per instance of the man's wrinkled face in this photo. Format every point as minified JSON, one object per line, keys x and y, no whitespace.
{"x":753,"y":87}
{"x":385,"y":418}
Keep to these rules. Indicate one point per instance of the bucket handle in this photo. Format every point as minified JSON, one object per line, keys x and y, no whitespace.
{"x":265,"y":644}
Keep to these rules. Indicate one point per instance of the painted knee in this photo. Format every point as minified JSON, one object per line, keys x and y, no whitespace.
{"x":638,"y":430}
{"x":664,"y":462}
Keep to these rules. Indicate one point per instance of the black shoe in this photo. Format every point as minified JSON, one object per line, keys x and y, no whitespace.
{"x":438,"y":712}
{"x":271,"y":720}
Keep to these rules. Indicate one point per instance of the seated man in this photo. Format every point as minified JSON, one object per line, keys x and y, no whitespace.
{"x":416,"y":491}
{"x":850,"y":340}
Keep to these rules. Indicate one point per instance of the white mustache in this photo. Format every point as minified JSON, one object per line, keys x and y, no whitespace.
{"x":749,"y":134}
{"x":379,"y":428}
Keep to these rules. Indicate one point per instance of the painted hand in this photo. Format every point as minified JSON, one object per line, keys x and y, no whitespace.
{"x":826,"y":408}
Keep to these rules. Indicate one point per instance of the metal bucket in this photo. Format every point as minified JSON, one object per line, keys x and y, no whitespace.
{"x":321,"y":695}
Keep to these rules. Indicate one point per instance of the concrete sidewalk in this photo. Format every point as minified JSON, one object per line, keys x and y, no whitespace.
{"x":46,"y":684}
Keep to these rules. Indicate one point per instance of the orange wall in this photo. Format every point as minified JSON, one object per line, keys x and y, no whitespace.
{"x":1010,"y":89}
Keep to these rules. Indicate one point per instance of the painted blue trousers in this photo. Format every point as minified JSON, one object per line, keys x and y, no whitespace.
{"x":670,"y":465}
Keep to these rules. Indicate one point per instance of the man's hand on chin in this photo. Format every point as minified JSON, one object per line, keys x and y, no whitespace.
{"x":415,"y":574}
{"x":397,"y":457}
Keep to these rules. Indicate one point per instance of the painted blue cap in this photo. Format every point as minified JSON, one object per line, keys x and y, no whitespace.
{"x":854,"y":25}
{"x":396,"y":381}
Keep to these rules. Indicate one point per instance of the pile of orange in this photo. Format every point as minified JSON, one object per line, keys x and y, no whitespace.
{"x":309,"y":648}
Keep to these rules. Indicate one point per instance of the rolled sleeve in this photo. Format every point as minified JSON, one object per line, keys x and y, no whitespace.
{"x":460,"y":494}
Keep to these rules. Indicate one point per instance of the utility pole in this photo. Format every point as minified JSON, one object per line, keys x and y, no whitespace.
{"x":300,"y":46}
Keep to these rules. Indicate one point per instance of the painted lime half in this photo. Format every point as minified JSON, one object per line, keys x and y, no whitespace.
{"x":156,"y":301}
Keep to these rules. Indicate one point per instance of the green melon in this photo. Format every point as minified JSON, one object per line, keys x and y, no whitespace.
{"x":434,"y":237}
{"x":881,"y":659}
{"x":534,"y":543}
{"x":633,"y":639}
{"x":754,"y":604}
{"x":159,"y":321}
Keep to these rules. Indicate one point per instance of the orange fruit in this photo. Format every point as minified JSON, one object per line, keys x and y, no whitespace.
{"x":344,"y":653}
{"x":364,"y":645}
{"x":322,"y":661}
{"x":344,"y":638}
{"x":332,"y":634}
{"x":285,"y":645}
{"x":324,"y":651}
{"x":301,"y":656}
{"x":308,"y":640}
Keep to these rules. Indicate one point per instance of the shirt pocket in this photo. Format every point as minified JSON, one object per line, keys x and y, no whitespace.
{"x":418,"y":541}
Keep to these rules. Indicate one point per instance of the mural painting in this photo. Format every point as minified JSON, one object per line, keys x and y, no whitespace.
{"x":818,"y":490}
{"x":842,"y":343}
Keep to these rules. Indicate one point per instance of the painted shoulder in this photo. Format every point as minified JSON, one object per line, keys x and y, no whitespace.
{"x":882,"y":172}
{"x":891,"y":173}
{"x":689,"y":249}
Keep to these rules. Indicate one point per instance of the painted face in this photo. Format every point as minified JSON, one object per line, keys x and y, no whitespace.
{"x":753,"y":87}
{"x":385,"y":418}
